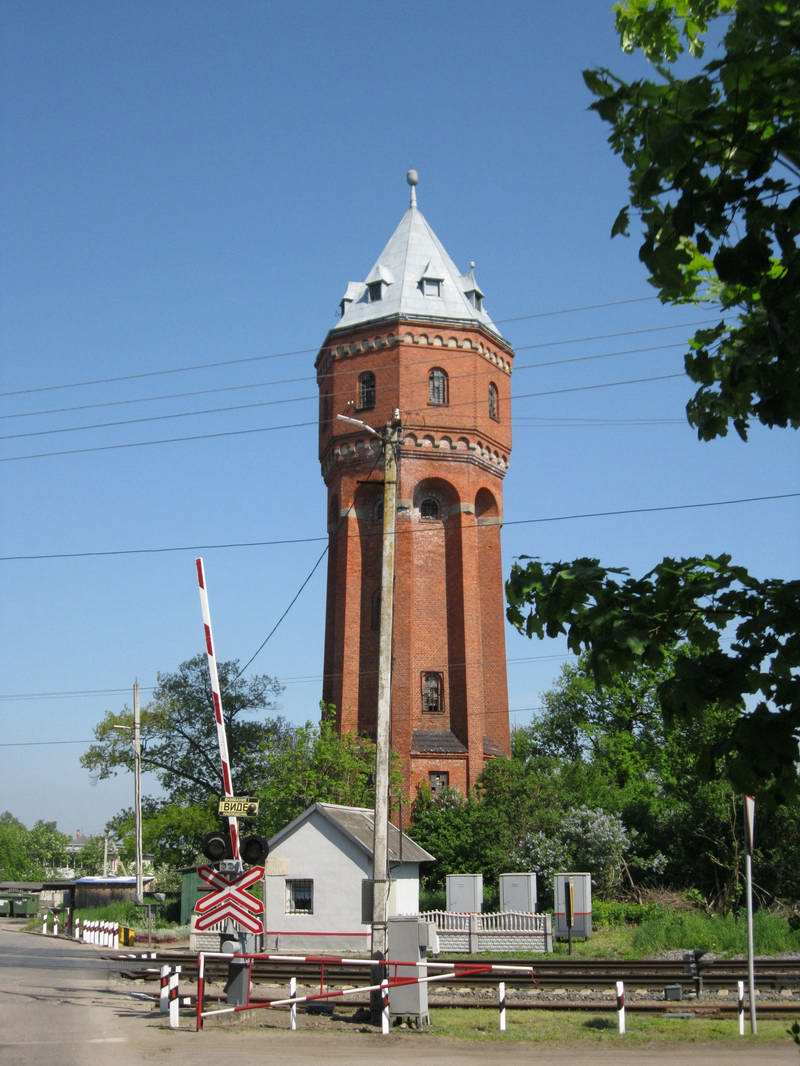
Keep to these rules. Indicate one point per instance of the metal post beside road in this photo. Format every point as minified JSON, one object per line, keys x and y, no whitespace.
{"x":749,"y":825}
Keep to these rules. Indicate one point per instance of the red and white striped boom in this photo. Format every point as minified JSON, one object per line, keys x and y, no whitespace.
{"x":216,"y":696}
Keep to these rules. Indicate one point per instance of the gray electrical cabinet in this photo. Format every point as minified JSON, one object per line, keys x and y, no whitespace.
{"x":465,"y":893}
{"x":409,"y":940}
{"x":518,"y":892}
{"x":582,"y":913}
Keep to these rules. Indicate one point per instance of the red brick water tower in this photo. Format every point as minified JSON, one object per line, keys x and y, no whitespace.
{"x":414,"y":336}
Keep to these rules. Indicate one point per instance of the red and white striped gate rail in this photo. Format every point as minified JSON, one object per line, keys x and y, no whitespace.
{"x":216,"y":698}
{"x":452,"y":971}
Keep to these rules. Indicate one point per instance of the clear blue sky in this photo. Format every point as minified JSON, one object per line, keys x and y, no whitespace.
{"x":191,"y":182}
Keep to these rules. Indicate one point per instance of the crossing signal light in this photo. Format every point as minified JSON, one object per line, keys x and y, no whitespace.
{"x":217,"y":846}
{"x":254,"y":850}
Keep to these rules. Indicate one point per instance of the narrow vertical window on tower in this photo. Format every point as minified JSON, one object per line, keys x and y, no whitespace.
{"x":375,"y":614}
{"x":494,"y":402}
{"x":432,"y":694}
{"x":438,"y":780}
{"x":437,"y":387}
{"x":366,"y":390}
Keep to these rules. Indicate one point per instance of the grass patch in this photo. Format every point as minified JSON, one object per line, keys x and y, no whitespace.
{"x":721,"y":933}
{"x":577,"y":1027}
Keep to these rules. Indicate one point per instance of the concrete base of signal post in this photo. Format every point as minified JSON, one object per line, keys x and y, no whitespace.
{"x":237,"y":986}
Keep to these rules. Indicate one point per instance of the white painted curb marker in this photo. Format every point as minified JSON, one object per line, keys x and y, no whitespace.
{"x":621,"y":1007}
{"x":174,"y":1004}
{"x":740,"y":1004}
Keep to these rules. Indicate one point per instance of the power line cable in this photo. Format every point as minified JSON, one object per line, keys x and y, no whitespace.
{"x":316,"y":422}
{"x":315,"y":396}
{"x":341,"y":521}
{"x":339,"y":373}
{"x":295,"y":679}
{"x":50,"y":743}
{"x":311,"y":540}
{"x":280,"y":355}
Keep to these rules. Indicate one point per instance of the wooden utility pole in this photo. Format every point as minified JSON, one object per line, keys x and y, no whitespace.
{"x":380,"y":844}
{"x":137,"y":787}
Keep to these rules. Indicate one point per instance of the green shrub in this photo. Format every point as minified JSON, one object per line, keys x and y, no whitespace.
{"x":614,"y":913}
{"x":722,"y":934}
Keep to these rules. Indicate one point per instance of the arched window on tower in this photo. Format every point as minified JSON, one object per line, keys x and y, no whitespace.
{"x":366,"y":390}
{"x":432,"y":693}
{"x":494,"y":402}
{"x":438,"y":387}
{"x":430,"y":509}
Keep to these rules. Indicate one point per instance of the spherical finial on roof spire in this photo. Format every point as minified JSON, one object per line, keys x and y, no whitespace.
{"x":412,"y":177}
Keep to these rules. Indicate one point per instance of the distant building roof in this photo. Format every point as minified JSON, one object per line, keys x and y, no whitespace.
{"x":358,"y":825}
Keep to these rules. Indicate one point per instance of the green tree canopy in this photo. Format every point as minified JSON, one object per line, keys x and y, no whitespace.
{"x":713,"y":161}
{"x":30,"y":854}
{"x":714,"y":173}
{"x":179,"y":739}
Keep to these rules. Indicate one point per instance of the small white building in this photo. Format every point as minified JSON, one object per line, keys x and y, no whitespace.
{"x":315,"y":877}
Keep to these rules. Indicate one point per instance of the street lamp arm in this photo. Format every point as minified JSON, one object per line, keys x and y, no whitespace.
{"x":360,"y":424}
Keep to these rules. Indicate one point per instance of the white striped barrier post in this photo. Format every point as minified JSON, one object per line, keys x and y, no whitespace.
{"x":293,"y":1008}
{"x":163,"y":998}
{"x":501,"y":1003}
{"x":385,"y":1019}
{"x":76,"y":930}
{"x":115,"y":936}
{"x":174,"y":1002}
{"x":740,"y":1005}
{"x":621,"y":1007}
{"x":90,"y":932}
{"x":101,"y":931}
{"x":55,"y":924}
{"x":106,"y":934}
{"x":44,"y":924}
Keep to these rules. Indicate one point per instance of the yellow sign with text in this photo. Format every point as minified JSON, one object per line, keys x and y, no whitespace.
{"x":238,"y":807}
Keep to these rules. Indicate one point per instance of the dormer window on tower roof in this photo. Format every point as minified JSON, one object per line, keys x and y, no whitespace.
{"x":379,"y":277}
{"x":430,"y":283}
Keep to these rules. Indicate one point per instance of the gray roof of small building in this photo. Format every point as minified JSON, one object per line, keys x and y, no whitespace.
{"x":444,"y":742}
{"x":414,"y":252}
{"x":357,"y":824}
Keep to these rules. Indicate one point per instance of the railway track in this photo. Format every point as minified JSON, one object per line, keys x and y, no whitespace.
{"x":691,"y":974}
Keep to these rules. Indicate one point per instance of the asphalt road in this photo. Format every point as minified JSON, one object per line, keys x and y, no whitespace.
{"x":62,"y":1005}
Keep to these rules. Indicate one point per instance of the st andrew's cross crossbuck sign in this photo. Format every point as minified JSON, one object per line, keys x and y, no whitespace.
{"x":230,"y":899}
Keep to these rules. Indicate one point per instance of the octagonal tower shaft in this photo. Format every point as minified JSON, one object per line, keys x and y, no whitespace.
{"x":450,"y":378}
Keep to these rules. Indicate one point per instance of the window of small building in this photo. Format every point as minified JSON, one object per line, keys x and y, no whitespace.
{"x":438,"y":387}
{"x":431,"y":287}
{"x":438,"y":781}
{"x":476,"y":299}
{"x":494,"y":402}
{"x":375,"y":291}
{"x":300,"y":897}
{"x":375,"y":612}
{"x":366,"y":390}
{"x":432,"y":693}
{"x":430,"y":509}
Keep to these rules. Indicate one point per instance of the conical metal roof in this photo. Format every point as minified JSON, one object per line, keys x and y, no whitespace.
{"x":412,"y":254}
